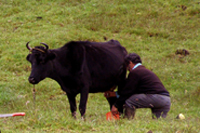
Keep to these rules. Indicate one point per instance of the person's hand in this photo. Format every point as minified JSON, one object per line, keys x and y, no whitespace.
{"x":108,"y":94}
{"x":114,"y":110}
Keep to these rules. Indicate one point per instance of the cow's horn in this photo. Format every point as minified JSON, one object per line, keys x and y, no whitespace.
{"x":47,"y":47}
{"x":28,"y":47}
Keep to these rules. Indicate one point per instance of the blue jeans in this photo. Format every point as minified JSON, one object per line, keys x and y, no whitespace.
{"x":159,"y":104}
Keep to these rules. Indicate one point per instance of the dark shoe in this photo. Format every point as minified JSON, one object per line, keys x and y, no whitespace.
{"x":129,"y":112}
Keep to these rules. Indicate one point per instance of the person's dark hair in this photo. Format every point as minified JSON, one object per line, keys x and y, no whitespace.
{"x":133,"y":57}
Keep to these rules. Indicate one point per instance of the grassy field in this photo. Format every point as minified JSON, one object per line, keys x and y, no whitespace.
{"x":153,"y":29}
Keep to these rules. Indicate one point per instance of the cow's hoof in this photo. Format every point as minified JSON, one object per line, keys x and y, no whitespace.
{"x":74,"y":117}
{"x":74,"y":114}
{"x":83,"y":118}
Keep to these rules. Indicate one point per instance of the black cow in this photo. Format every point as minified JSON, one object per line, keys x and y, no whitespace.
{"x":80,"y":67}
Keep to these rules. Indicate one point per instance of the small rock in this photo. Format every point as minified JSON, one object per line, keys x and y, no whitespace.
{"x":180,"y":116}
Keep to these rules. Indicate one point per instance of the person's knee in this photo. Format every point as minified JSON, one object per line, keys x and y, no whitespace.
{"x":128,"y":103}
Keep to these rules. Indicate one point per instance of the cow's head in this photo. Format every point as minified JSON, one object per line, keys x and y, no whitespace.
{"x":40,"y":58}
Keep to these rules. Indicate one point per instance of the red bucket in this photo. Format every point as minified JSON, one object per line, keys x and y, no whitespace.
{"x":110,"y":116}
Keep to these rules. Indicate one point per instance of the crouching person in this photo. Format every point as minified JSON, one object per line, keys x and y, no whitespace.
{"x":143,"y":89}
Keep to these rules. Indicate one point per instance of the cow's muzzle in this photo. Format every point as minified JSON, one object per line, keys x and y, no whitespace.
{"x":32,"y":80}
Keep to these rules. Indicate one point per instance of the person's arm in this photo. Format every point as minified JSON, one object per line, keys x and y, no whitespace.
{"x":108,"y":94}
{"x":128,"y":90}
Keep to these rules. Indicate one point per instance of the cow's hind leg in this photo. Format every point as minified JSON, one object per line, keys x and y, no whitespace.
{"x":83,"y":102}
{"x":72,"y":102}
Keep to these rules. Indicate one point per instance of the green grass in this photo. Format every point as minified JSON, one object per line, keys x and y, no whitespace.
{"x":153,"y":29}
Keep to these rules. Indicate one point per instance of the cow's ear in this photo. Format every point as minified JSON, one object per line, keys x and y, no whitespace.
{"x":51,"y":55}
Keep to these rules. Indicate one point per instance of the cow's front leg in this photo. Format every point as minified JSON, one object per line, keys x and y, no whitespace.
{"x":83,"y":102}
{"x":72,"y":102}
